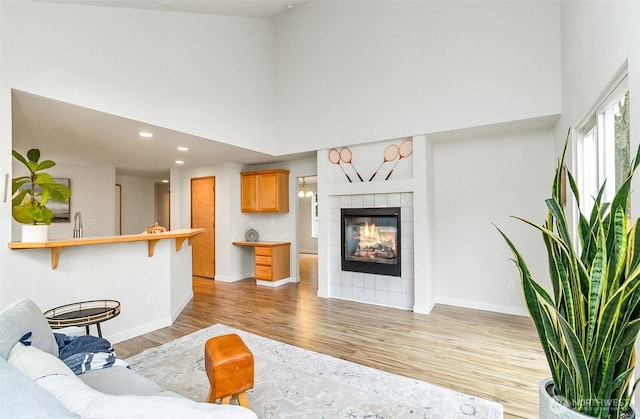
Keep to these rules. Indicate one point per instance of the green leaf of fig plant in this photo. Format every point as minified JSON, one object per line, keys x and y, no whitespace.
{"x":31,"y":193}
{"x":589,"y":324}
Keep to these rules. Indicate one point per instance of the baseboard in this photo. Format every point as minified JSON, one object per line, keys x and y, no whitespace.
{"x":274,"y":283}
{"x":423,"y":309}
{"x":227,"y":278}
{"x":370,"y":303}
{"x":496,"y":308}
{"x":140,"y":330}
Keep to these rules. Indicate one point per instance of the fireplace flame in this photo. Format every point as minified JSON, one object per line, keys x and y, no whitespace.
{"x":373,"y":244}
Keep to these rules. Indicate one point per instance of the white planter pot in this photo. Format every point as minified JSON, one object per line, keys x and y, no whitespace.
{"x":550,"y":408}
{"x":35,"y":233}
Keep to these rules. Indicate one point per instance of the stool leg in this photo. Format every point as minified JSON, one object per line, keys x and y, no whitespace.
{"x":226,"y":400}
{"x":87,"y":329}
{"x":243,"y":400}
{"x":210,"y":398}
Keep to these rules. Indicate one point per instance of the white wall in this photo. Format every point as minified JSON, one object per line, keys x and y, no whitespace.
{"x":162,"y":196}
{"x":480,"y":181}
{"x":211,"y":76}
{"x":91,"y":195}
{"x":138,"y":203}
{"x":351,"y":71}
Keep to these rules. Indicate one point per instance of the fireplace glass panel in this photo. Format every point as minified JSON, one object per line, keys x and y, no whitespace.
{"x":371,"y":240}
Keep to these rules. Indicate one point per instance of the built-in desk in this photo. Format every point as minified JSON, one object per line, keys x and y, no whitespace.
{"x":272,"y":261}
{"x":56,"y":246}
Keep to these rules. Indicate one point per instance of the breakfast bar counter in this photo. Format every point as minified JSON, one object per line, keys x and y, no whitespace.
{"x":56,"y":246}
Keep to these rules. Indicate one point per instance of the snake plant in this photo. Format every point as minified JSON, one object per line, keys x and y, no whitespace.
{"x":589,"y":324}
{"x":31,"y":193}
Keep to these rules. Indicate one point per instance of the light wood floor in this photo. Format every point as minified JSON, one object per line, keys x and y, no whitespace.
{"x":489,"y":355}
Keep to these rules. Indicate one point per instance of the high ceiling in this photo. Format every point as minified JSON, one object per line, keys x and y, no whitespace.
{"x":72,"y":134}
{"x":247,"y":8}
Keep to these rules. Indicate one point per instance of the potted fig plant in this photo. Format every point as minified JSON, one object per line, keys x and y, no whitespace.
{"x":589,"y":323}
{"x":31,"y":193}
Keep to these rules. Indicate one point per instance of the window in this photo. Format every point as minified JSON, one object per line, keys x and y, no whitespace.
{"x":603,"y":146}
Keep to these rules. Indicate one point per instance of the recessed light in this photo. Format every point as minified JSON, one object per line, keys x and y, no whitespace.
{"x":145,"y":134}
{"x":183,"y":148}
{"x":165,"y":181}
{"x":179,"y":162}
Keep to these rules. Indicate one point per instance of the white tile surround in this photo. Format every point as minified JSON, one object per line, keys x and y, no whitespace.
{"x":391,"y":291}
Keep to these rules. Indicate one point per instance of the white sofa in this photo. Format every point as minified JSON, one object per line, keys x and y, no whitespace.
{"x":35,"y":383}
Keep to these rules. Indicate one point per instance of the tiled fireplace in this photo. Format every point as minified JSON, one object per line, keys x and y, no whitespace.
{"x":389,"y":279}
{"x":371,"y":240}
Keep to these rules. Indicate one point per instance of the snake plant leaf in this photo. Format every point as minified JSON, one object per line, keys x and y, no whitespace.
{"x":561,"y":222}
{"x":633,"y":252}
{"x":577,"y":356}
{"x":574,"y":189}
{"x":595,"y":294}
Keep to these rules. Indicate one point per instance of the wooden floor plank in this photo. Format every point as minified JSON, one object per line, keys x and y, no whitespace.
{"x":489,"y":355}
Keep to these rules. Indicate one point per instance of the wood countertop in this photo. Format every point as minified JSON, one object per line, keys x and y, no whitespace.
{"x":261,"y":243}
{"x":56,"y":246}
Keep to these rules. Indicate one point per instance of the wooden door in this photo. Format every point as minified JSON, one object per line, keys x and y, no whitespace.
{"x":203,"y":199}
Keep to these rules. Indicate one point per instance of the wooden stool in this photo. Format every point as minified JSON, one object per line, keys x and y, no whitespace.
{"x":229,"y":366}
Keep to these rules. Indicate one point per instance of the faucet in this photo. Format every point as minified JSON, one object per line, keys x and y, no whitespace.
{"x":77,"y":225}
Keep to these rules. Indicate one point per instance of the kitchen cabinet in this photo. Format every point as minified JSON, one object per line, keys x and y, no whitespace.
{"x":265,"y":191}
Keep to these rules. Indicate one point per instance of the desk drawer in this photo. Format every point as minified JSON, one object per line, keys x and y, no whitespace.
{"x":263,"y":272}
{"x":263,"y":251}
{"x":263,"y":260}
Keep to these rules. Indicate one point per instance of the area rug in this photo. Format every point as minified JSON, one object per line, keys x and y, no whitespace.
{"x":291,"y":382}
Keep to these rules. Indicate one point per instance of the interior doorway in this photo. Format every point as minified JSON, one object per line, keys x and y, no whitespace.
{"x":203,"y":200}
{"x":307,"y":226}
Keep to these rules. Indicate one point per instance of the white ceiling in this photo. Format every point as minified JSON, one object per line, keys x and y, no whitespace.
{"x":67,"y":133}
{"x":247,"y":8}
{"x":72,"y":134}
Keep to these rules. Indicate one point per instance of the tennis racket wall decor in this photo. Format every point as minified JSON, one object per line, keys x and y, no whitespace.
{"x":404,"y":150}
{"x":345,"y":156}
{"x":334,"y":157}
{"x":390,"y":154}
